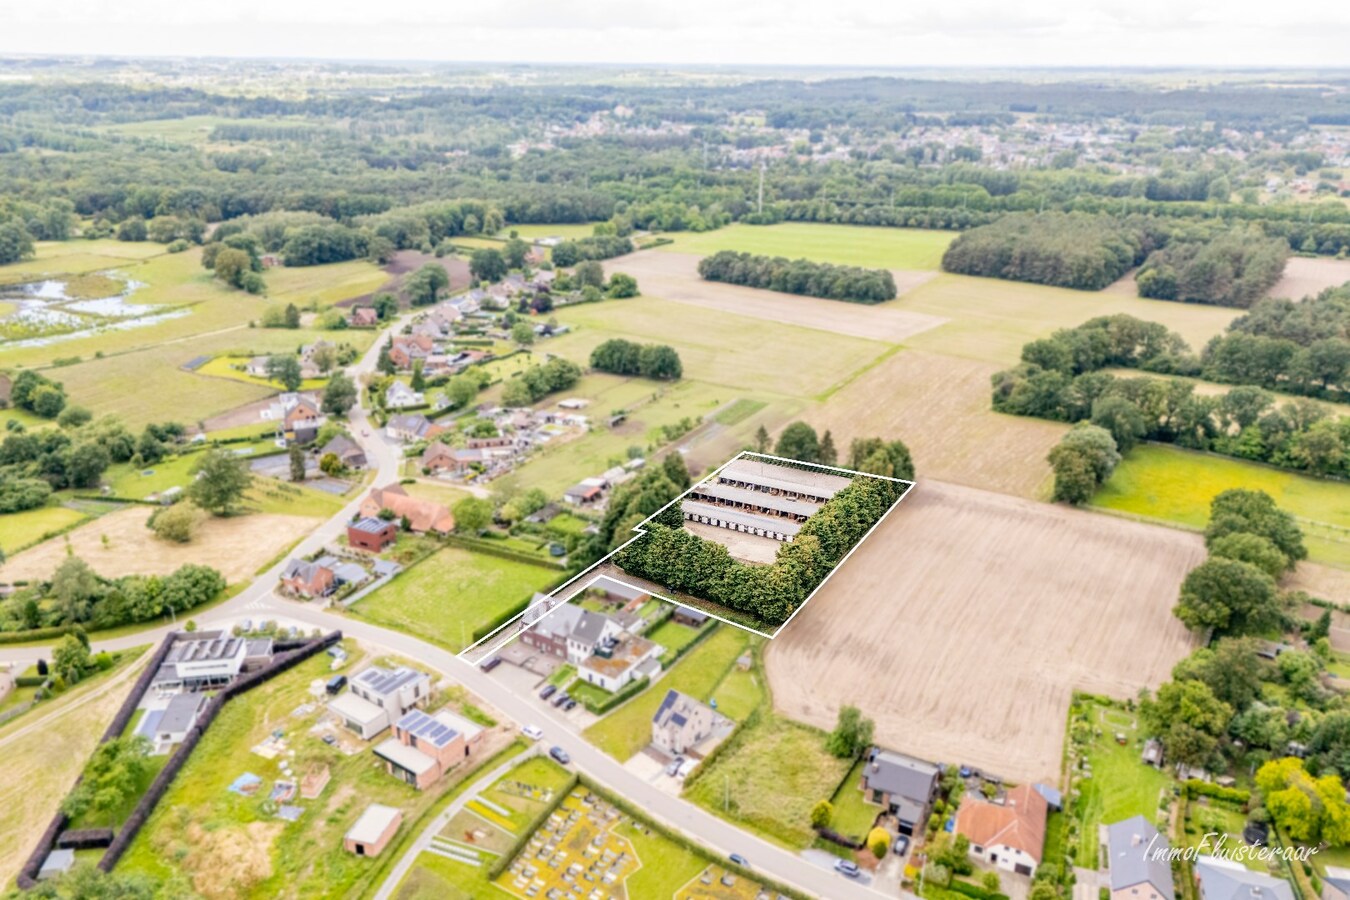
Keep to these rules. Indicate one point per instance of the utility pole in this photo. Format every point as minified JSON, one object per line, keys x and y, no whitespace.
{"x":762,"y":166}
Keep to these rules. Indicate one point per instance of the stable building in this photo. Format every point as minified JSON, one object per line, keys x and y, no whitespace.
{"x":761,"y":498}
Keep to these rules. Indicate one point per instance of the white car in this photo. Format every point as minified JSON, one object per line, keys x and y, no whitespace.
{"x":533,"y":732}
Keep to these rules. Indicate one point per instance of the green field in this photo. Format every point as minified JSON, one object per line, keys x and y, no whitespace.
{"x":1176,"y":485}
{"x":569,"y":231}
{"x":672,"y":635}
{"x":231,"y":845}
{"x":231,"y":367}
{"x":852,"y":245}
{"x":770,"y":778}
{"x":446,"y":596}
{"x":1120,"y":785}
{"x":627,"y":730}
{"x":25,"y":528}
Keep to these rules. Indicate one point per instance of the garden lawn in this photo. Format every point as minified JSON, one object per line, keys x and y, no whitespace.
{"x":449,"y":595}
{"x":851,"y":245}
{"x":769,"y":779}
{"x":22,"y":529}
{"x":1176,"y":485}
{"x":1121,"y":785}
{"x":627,"y":730}
{"x":672,"y":635}
{"x":225,"y":367}
{"x":853,"y":815}
{"x":1205,"y":815}
{"x":739,"y":693}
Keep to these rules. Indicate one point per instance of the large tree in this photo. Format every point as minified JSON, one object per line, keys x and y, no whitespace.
{"x":284,"y":369}
{"x":487,"y":265}
{"x":339,"y":395}
{"x":1254,"y":512}
{"x":222,"y":478}
{"x":798,"y":441}
{"x":1188,"y":719}
{"x":425,"y":285}
{"x":1229,"y":596}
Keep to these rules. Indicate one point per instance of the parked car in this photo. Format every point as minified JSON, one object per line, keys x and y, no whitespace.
{"x":548,"y":691}
{"x":533,"y":732}
{"x":560,"y":755}
{"x":847,"y":867}
{"x":337,"y":683}
{"x":571,"y":704}
{"x":491,"y":663}
{"x":561,"y":699}
{"x":901,"y":845}
{"x":739,"y":860}
{"x":674,"y":766}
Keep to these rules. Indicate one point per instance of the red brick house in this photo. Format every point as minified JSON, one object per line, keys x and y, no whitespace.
{"x":423,"y":515}
{"x":308,"y":579}
{"x":364,"y":317}
{"x":371,"y":534}
{"x":425,"y":746}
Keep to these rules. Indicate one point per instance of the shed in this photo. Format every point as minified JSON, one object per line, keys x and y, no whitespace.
{"x":373,"y":830}
{"x":58,"y":862}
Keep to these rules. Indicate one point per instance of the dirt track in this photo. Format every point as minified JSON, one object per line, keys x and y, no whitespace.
{"x":965,"y":622}
{"x":674,"y":276}
{"x":235,"y":546}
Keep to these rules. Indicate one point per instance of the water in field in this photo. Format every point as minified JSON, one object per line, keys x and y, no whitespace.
{"x":45,"y":313}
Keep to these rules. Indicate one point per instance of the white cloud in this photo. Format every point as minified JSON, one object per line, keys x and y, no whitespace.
{"x":804,"y":32}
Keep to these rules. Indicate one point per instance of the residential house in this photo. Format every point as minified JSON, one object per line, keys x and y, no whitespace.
{"x":1335,"y":883}
{"x":178,"y":718}
{"x":1139,"y":866}
{"x":404,"y":349}
{"x":298,"y":417}
{"x":257,"y":367}
{"x":412,"y":427}
{"x":205,"y":659}
{"x":440,"y":457}
{"x":371,"y":534}
{"x":373,"y":831}
{"x":904,"y":786}
{"x":400,"y":396}
{"x":309,"y":368}
{"x":380,"y":696}
{"x":681,"y":723}
{"x":348,"y":452}
{"x":590,"y":631}
{"x":363,"y":317}
{"x":1008,"y":834}
{"x":549,"y":627}
{"x":427,"y":745}
{"x":359,"y":715}
{"x":617,"y":662}
{"x":1226,"y":879}
{"x":308,"y":579}
{"x":424,"y":516}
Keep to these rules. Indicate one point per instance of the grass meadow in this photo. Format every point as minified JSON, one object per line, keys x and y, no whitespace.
{"x":1176,"y":486}
{"x":446,"y":596}
{"x":851,"y":245}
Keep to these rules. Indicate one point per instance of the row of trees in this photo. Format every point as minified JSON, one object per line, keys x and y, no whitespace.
{"x":622,"y":357}
{"x":595,"y":247}
{"x":874,"y":456}
{"x":537,"y":382}
{"x":802,"y":276}
{"x":76,"y":595}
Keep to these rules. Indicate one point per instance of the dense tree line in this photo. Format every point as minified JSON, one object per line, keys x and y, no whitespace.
{"x":76,"y":595}
{"x":685,"y":562}
{"x":1234,"y":269}
{"x":537,"y":382}
{"x":596,"y":247}
{"x":812,"y":279}
{"x":622,"y":357}
{"x":38,"y":394}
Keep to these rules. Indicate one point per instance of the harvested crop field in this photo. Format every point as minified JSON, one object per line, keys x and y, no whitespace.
{"x":964,"y":624}
{"x":939,"y":406}
{"x":236,"y":546}
{"x":1304,"y":276}
{"x":674,"y":276}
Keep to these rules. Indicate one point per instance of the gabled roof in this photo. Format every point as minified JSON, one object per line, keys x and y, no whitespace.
{"x":1224,"y":879}
{"x":1018,"y":822}
{"x":591,"y":627}
{"x":900,"y":775}
{"x":423,"y":515}
{"x":1135,"y":848}
{"x":676,"y":709}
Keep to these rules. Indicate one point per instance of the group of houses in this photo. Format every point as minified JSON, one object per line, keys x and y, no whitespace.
{"x":518,"y":433}
{"x":422,"y":746}
{"x":593,"y":493}
{"x":310,"y":362}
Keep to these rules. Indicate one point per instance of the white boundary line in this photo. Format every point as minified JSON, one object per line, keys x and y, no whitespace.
{"x":641,"y":531}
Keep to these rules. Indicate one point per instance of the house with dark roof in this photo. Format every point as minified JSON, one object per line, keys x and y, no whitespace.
{"x":1224,"y":879}
{"x":1137,"y":857}
{"x":439,"y":457}
{"x":590,"y":630}
{"x":410,"y":427}
{"x":1009,"y":834}
{"x":1336,"y":883}
{"x":427,"y":745}
{"x":902,"y":785}
{"x":177,"y":719}
{"x":681,"y":723}
{"x":348,"y":452}
{"x":308,"y":579}
{"x":201,"y":660}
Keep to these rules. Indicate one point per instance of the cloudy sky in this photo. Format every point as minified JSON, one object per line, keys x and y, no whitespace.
{"x":733,"y":32}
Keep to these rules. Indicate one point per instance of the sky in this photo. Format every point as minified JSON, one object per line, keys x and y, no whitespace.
{"x":1091,"y":33}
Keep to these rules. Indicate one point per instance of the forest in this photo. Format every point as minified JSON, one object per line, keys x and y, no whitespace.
{"x":801,"y":276}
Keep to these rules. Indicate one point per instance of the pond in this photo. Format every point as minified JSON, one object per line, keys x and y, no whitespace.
{"x":44,"y":313}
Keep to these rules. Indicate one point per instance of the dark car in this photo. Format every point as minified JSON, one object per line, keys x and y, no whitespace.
{"x":491,"y":663}
{"x":901,"y":845}
{"x":739,"y":860}
{"x":548,"y":691}
{"x":561,"y":699}
{"x":337,"y":683}
{"x":847,"y":867}
{"x":560,"y":755}
{"x":571,"y":704}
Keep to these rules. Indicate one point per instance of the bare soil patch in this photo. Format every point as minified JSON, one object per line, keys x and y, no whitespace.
{"x":1305,"y":275}
{"x":406,"y":261}
{"x":226,"y":861}
{"x":966,"y":621}
{"x":236,"y":546}
{"x":940,"y":407}
{"x":674,"y":276}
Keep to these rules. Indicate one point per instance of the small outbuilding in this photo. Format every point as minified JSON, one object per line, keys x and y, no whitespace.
{"x":373,"y":831}
{"x":58,"y":862}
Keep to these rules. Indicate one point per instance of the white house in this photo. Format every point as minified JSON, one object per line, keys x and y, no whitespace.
{"x":400,"y":396}
{"x":616,"y":663}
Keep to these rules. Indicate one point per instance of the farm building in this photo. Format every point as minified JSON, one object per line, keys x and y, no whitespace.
{"x":373,"y":831}
{"x":1009,"y":835}
{"x":423,"y":515}
{"x":761,"y":498}
{"x":1135,"y":871}
{"x":902,"y":785}
{"x":371,"y":534}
